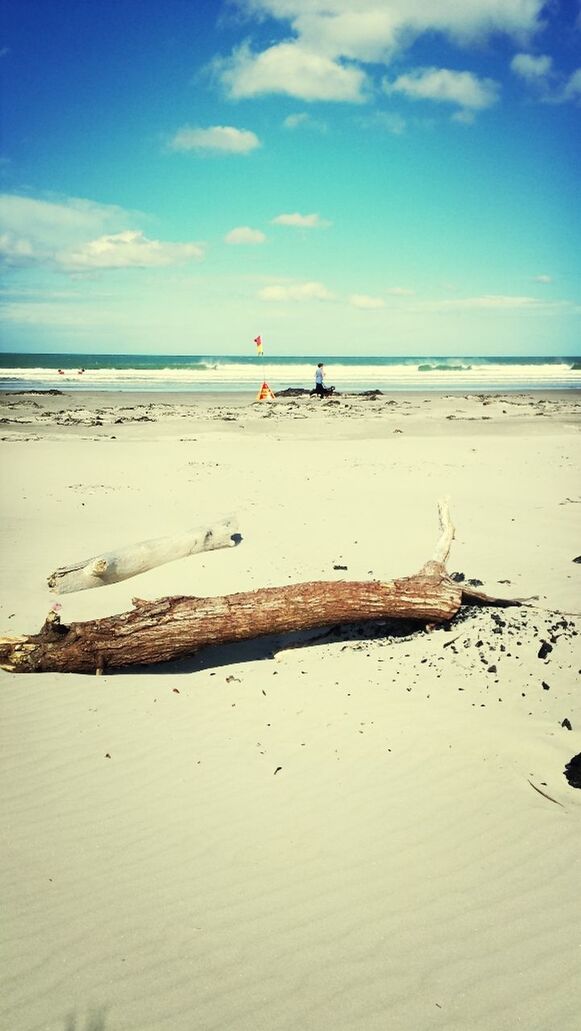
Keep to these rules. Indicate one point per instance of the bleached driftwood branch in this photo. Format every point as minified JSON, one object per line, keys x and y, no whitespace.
{"x":156,"y":631}
{"x":138,"y":558}
{"x":442,"y":549}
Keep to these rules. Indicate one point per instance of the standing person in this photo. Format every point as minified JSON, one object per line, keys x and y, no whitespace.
{"x":320,"y":389}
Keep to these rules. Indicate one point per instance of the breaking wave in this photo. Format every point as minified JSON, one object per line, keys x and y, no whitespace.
{"x":209,"y":374}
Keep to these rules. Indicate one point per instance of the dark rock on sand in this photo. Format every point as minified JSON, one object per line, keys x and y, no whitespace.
{"x":303,"y":392}
{"x":544,"y":650}
{"x":572,"y":771}
{"x":293,"y":392}
{"x":52,"y":392}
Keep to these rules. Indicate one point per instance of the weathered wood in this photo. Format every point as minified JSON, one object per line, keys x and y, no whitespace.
{"x":138,"y":558}
{"x":472,"y":597}
{"x":157,"y":631}
{"x":443,"y":545}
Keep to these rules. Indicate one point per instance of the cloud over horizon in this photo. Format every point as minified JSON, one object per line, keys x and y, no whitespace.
{"x":309,"y":291}
{"x":491,"y":302}
{"x":298,"y":221}
{"x":130,"y":249}
{"x":245,"y":235}
{"x":365,"y":302}
{"x":69,"y":235}
{"x":217,"y":139}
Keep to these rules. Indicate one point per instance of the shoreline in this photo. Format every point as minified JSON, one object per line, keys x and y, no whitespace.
{"x":342,"y":414}
{"x":245,"y":372}
{"x":189,"y":396}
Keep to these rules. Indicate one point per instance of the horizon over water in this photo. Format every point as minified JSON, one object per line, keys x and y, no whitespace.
{"x":244,"y":373}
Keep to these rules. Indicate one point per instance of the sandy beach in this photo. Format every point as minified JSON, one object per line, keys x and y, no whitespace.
{"x":355,"y":831}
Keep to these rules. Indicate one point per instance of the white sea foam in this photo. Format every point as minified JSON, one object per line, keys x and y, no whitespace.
{"x":425,"y":375}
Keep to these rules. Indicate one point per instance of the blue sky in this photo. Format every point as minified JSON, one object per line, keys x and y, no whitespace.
{"x":340,"y":176}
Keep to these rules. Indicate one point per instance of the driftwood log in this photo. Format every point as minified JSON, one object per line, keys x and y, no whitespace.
{"x":157,"y":631}
{"x":138,"y":558}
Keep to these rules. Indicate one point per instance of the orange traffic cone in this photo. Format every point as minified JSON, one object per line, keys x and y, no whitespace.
{"x":265,"y":393}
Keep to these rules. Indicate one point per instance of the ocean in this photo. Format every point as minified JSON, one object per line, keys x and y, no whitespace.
{"x":235,"y":373}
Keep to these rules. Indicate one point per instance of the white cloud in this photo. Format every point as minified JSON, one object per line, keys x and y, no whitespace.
{"x":377,"y":26}
{"x":304,"y":120}
{"x":129,"y":249}
{"x":366,"y":302}
{"x":538,"y":72}
{"x":217,"y":139}
{"x":291,"y":69}
{"x":446,"y":86}
{"x":368,"y":34}
{"x":573,"y":87}
{"x":16,"y":250}
{"x":301,"y":221}
{"x":36,"y":229}
{"x":400,"y":291}
{"x":293,"y":121}
{"x":245,"y":235}
{"x":530,"y":67}
{"x":464,"y":117}
{"x":493,"y":302}
{"x":79,"y":235}
{"x":324,"y":38}
{"x":506,"y":304}
{"x":310,"y":291}
{"x":384,"y":121}
{"x":391,"y":122}
{"x":543,"y":279}
{"x":48,"y":223}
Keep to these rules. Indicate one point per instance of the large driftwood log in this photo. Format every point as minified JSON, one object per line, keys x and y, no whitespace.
{"x":138,"y":558}
{"x":156,"y":631}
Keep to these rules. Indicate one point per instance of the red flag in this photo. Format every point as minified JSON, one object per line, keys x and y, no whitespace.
{"x":258,"y":342}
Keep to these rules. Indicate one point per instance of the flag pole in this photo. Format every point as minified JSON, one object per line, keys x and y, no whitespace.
{"x":265,"y":393}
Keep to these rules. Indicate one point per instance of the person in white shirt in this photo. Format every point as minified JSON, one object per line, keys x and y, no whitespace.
{"x":320,"y":389}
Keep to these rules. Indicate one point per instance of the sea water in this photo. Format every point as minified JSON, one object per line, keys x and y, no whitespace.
{"x":235,"y":373}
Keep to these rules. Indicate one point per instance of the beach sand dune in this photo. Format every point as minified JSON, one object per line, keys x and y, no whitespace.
{"x":354,"y":830}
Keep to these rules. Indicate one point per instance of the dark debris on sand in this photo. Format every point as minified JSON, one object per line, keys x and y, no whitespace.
{"x":495,"y":648}
{"x":53,"y":392}
{"x":572,"y":771}
{"x":303,"y":392}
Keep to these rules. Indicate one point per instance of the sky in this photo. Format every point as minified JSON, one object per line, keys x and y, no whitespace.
{"x":342,"y":177}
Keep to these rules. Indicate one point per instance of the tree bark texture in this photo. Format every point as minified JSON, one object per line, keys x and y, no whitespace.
{"x":169,"y":628}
